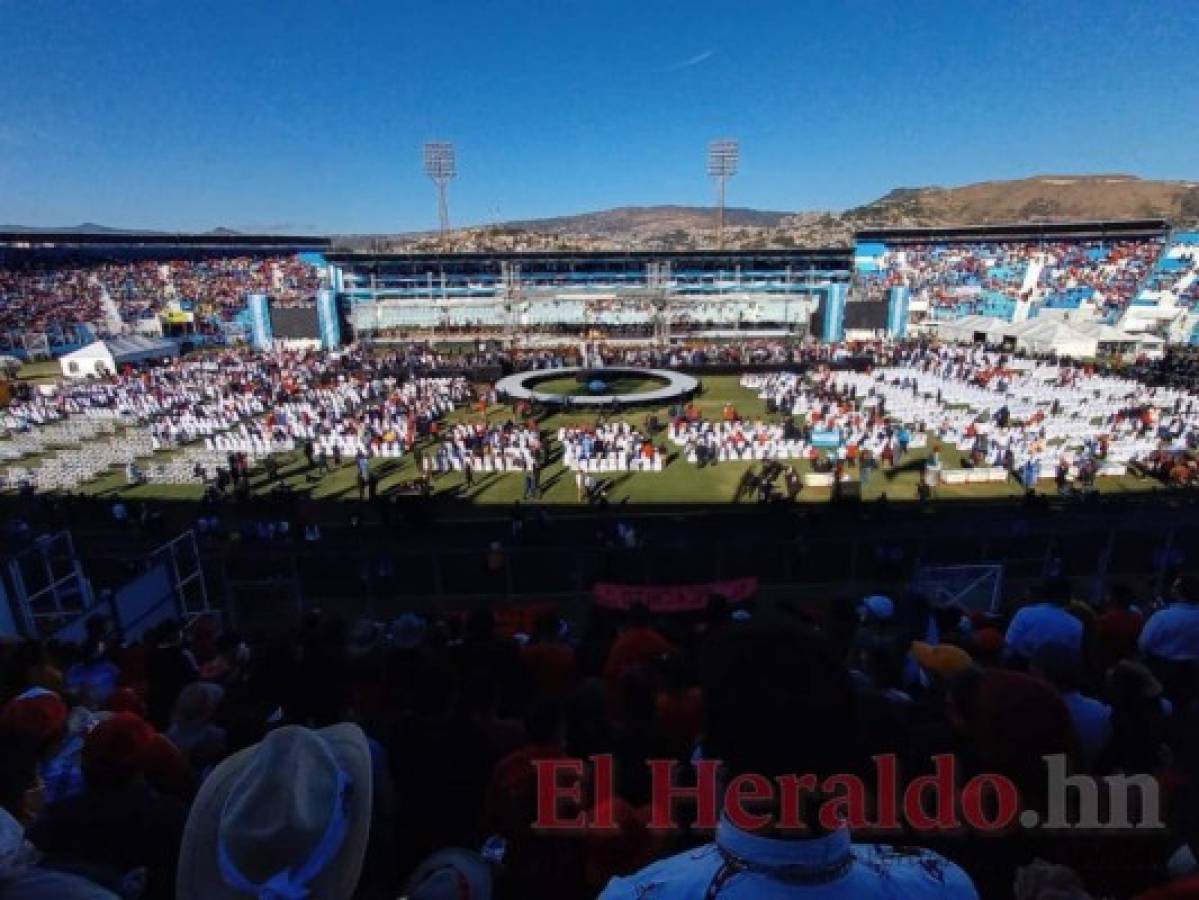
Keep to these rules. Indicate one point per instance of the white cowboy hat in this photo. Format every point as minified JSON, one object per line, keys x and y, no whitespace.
{"x":286,"y":819}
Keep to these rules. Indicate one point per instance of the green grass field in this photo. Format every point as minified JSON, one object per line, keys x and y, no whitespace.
{"x":679,"y":483}
{"x":43,"y":371}
{"x":619,"y":384}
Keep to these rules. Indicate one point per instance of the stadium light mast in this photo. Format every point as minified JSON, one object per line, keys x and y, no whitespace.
{"x":723,"y":156}
{"x":441,"y":166}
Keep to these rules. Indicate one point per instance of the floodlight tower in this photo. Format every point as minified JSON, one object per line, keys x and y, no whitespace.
{"x":441,"y":167}
{"x":723,"y":156}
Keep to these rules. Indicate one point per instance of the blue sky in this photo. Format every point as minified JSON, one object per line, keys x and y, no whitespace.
{"x":306,"y":115}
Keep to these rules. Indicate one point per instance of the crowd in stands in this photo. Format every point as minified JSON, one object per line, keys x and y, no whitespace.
{"x":1114,"y":271}
{"x":950,"y":274}
{"x":1178,"y":265}
{"x":340,"y":759}
{"x":41,"y":297}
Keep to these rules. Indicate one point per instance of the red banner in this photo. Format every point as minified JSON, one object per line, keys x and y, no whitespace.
{"x":673,"y":598}
{"x":512,"y":618}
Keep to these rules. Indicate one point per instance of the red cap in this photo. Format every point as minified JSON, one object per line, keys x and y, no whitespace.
{"x":166,"y":768}
{"x":114,"y":751}
{"x":37,"y":715}
{"x":988,"y":641}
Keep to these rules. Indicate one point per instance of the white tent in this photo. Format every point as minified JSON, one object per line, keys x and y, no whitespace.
{"x":1055,"y":336}
{"x":1040,"y":335}
{"x":105,"y":357}
{"x":966,"y":328}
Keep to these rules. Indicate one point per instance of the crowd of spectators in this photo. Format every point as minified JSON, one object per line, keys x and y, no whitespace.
{"x":1178,"y":368}
{"x":43,"y":297}
{"x":423,"y":356}
{"x":619,"y":442}
{"x":328,"y":404}
{"x":483,"y":447}
{"x":998,"y":411}
{"x":949,"y":274}
{"x":342,"y":759}
{"x":1180,"y":263}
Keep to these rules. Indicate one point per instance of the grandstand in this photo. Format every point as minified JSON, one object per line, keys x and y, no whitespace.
{"x":1109,"y":273}
{"x":60,"y":290}
{"x":633,"y":294}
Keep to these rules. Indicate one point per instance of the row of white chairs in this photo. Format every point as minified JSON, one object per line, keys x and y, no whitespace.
{"x":618,"y":462}
{"x":485,"y":463}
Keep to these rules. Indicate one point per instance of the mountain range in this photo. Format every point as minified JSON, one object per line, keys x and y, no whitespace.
{"x":1041,"y":198}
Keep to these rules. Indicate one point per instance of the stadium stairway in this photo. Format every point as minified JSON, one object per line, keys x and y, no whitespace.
{"x":1032,"y":275}
{"x":1147,"y":279}
{"x":112,"y":313}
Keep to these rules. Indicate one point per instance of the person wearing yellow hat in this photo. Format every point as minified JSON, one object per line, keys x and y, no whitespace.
{"x":944,"y":660}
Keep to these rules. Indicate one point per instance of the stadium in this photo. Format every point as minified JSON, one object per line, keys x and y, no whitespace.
{"x":765,"y":329}
{"x":838,"y":541}
{"x":249,"y":430}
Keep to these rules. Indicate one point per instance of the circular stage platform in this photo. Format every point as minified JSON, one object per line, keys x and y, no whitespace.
{"x":669,"y":386}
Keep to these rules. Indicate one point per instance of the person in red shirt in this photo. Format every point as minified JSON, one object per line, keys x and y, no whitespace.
{"x":1118,"y":627}
{"x":549,"y":660}
{"x":679,"y":704}
{"x":637,"y":646}
{"x":539,"y":864}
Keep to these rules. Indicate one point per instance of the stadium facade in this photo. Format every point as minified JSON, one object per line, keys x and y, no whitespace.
{"x":634,"y":294}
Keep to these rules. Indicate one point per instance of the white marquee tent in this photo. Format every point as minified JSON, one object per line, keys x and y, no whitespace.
{"x":106,"y":356}
{"x":1042,"y":335}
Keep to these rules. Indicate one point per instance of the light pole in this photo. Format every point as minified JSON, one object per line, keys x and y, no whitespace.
{"x":723,"y":156}
{"x":441,"y":165}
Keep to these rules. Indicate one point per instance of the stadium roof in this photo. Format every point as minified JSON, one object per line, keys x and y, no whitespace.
{"x":797,"y":255}
{"x":1097,"y":230}
{"x":150,"y":239}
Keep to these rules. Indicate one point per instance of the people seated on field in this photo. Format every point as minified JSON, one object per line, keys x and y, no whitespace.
{"x":606,"y":441}
{"x":246,"y":405}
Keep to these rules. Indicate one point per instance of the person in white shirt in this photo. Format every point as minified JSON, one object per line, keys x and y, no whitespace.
{"x":779,"y":702}
{"x":1043,"y":623}
{"x":1172,"y":633}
